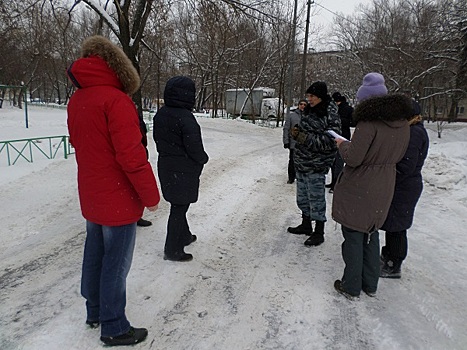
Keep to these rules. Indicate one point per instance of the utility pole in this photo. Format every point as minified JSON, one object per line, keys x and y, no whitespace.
{"x":292,"y":58}
{"x":305,"y":46}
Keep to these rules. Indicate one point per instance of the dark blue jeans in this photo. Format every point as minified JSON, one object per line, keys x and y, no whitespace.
{"x":108,"y":253}
{"x":360,"y":252}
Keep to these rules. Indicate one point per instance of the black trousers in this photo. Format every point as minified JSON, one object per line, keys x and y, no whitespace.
{"x":336,"y":168}
{"x":291,"y":167}
{"x":178,"y":231}
{"x":396,"y":246}
{"x":360,"y":252}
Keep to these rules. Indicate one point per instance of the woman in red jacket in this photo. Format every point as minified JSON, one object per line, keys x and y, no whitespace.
{"x":115,"y":181}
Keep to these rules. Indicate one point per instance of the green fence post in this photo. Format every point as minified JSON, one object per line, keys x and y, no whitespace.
{"x":65,"y":151}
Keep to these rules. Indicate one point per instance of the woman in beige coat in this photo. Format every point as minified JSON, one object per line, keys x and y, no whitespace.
{"x":364,"y":189}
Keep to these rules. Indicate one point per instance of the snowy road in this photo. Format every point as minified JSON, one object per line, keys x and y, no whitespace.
{"x":251,"y":285}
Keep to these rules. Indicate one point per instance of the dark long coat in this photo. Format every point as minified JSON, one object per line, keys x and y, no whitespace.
{"x":178,"y":141}
{"x":365,"y":187}
{"x":345,"y":113}
{"x":409,"y":183}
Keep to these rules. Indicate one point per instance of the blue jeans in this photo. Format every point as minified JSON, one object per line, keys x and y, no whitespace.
{"x":108,"y":253}
{"x":311,"y":196}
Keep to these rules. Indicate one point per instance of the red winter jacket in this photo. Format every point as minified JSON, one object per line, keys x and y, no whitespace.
{"x":115,"y":180}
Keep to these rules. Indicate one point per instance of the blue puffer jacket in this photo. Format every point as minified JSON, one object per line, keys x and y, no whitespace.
{"x":178,"y":141}
{"x":409,"y":183}
{"x":319,"y":150}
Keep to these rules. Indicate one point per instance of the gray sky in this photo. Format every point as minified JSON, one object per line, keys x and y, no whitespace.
{"x":343,"y":6}
{"x":323,"y":16}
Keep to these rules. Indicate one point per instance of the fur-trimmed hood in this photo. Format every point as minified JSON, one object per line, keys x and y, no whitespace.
{"x":103,"y":62}
{"x":386,"y":108}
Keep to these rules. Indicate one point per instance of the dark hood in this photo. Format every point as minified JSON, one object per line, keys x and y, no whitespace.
{"x":180,"y":92}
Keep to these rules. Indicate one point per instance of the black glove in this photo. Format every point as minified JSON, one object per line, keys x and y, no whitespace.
{"x":286,"y":145}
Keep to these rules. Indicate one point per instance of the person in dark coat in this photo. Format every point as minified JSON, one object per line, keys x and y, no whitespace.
{"x":144,"y":140}
{"x":365,"y":187}
{"x":181,"y":160}
{"x":345,"y":113}
{"x":409,"y":187}
{"x":291,"y":120}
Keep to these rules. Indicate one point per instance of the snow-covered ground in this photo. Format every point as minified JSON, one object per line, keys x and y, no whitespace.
{"x":251,"y":285}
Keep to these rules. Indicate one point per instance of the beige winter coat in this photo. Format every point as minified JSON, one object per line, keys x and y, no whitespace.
{"x":364,"y":189}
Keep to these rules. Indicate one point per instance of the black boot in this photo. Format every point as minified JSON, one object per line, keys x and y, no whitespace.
{"x":317,"y":237}
{"x":303,"y":229}
{"x":391,"y":269}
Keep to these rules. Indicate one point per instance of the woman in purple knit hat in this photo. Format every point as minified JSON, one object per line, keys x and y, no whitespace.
{"x":364,"y":189}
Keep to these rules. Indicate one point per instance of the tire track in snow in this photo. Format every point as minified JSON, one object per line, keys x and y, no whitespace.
{"x":26,"y":300}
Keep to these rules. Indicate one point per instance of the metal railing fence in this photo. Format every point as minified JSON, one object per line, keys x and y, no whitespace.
{"x":49,"y":147}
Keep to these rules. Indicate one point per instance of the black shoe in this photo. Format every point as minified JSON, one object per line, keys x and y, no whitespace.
{"x":314,"y":240}
{"x":193,"y":239}
{"x":290,"y":181}
{"x":340,"y":289}
{"x":179,"y":257}
{"x":391,"y":269}
{"x":370,"y":294}
{"x":143,"y":223}
{"x":92,"y":324}
{"x":133,"y":336}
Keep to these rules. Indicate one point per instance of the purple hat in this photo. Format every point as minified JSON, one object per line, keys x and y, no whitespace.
{"x":373,"y":85}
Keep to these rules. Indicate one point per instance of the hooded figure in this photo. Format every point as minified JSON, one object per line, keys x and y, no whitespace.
{"x":409,"y":187}
{"x":115,"y":181}
{"x":364,"y":189}
{"x":181,"y":159}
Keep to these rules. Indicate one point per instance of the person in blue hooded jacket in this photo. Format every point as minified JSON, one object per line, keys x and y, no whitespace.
{"x":409,"y":187}
{"x":180,"y":162}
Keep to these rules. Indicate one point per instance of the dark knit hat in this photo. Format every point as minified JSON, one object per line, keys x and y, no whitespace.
{"x":373,"y":85}
{"x":416,"y":108}
{"x":337,"y":97}
{"x":319,"y":89}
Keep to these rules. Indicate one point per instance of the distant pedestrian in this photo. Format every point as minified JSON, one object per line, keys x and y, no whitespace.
{"x":115,"y":181}
{"x":181,"y":160}
{"x":365,"y":188}
{"x":292,"y":119}
{"x":409,"y":187}
{"x":314,"y":153}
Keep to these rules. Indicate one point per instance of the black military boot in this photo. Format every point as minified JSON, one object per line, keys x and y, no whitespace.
{"x":303,"y":229}
{"x":317,"y":237}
